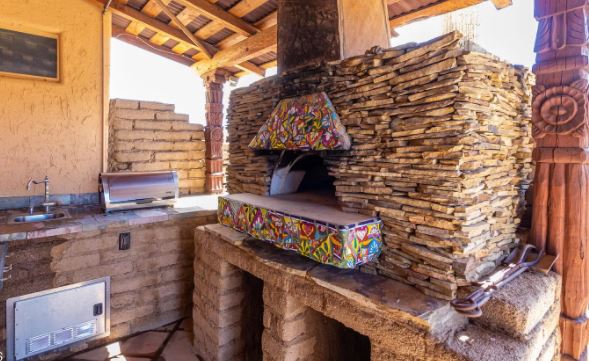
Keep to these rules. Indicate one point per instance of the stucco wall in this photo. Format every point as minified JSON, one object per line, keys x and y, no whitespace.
{"x":55,"y":128}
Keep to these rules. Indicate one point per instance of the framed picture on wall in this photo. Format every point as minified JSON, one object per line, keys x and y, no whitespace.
{"x":29,"y":54}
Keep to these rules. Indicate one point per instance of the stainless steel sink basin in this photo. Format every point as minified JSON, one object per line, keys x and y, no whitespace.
{"x":38,"y":217}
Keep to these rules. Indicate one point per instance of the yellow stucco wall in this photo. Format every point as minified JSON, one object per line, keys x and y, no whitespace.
{"x":55,"y":128}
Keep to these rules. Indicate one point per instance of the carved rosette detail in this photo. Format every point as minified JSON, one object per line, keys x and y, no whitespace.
{"x":560,"y":110}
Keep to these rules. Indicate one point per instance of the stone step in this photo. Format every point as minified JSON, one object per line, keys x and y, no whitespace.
{"x":479,"y":343}
{"x":521,"y":305}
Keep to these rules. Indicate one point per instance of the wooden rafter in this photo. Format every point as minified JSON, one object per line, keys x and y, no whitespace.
{"x":252,"y":47}
{"x":252,"y":68}
{"x":500,"y":4}
{"x":440,"y":7}
{"x":239,"y":10}
{"x":165,"y":32}
{"x":121,"y":34}
{"x":263,"y":24}
{"x":265,"y":66}
{"x":199,"y":43}
{"x":217,"y":14}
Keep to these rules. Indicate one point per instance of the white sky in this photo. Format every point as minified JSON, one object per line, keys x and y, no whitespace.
{"x":138,"y":74}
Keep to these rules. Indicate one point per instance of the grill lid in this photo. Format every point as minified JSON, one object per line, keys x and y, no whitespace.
{"x":138,"y":189}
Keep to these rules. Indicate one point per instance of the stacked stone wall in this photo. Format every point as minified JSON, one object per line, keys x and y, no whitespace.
{"x":150,"y":136}
{"x":441,"y":151}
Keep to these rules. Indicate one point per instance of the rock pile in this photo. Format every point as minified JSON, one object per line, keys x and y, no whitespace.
{"x":441,"y":151}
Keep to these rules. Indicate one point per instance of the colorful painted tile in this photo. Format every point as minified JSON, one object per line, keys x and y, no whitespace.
{"x":340,"y":246}
{"x":308,"y":122}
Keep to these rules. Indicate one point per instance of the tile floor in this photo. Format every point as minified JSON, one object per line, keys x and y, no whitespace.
{"x":172,"y":342}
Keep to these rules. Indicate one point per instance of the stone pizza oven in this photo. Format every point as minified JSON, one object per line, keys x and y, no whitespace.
{"x":439,"y":159}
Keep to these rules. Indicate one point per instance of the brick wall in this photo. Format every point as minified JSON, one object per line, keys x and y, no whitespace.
{"x":151,"y":283}
{"x":149,"y":136}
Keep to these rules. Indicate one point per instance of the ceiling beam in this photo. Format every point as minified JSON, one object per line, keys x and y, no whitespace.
{"x":254,"y":46}
{"x":240,"y":9}
{"x":266,"y":22}
{"x":438,"y":8}
{"x":252,"y":68}
{"x":121,"y":34}
{"x":199,"y":44}
{"x":216,"y":13}
{"x":153,"y":24}
{"x":269,"y":65}
{"x":501,"y":4}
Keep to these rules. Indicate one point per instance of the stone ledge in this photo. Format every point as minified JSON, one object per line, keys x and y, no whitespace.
{"x":479,"y":344}
{"x":91,"y":218}
{"x":385,"y":305}
{"x":522,"y":304}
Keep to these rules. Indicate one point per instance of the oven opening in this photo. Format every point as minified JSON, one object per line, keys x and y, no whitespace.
{"x":303,"y":174}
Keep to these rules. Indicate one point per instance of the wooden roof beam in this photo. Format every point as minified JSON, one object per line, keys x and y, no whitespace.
{"x":434,"y":9}
{"x":216,"y":13}
{"x":155,"y":25}
{"x":266,"y":22}
{"x":501,"y":4}
{"x":265,"y":66}
{"x":199,"y":44}
{"x":240,"y":9}
{"x":252,"y":68}
{"x":259,"y":44}
{"x":121,"y":34}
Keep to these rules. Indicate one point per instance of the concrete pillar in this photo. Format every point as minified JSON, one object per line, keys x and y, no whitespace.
{"x":312,"y":31}
{"x":560,"y":220}
{"x":214,"y":131}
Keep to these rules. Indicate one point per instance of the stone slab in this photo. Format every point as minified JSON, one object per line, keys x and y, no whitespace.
{"x":477,"y":343}
{"x":91,"y":218}
{"x":521,"y":305}
{"x":372,"y":291}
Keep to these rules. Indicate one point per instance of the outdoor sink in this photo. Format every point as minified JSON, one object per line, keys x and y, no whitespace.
{"x":39,"y":217}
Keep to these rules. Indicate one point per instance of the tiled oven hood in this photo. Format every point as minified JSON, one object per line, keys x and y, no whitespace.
{"x":304,"y":123}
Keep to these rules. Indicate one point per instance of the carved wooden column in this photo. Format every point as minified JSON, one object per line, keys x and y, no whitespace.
{"x":214,"y":131}
{"x":561,"y":197}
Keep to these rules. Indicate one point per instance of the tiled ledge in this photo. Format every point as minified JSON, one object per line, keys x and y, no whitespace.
{"x":91,"y":218}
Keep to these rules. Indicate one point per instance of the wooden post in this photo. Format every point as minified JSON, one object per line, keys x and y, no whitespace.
{"x":560,"y":118}
{"x":214,"y":131}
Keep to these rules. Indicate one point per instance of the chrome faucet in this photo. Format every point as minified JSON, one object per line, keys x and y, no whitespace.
{"x":46,"y":202}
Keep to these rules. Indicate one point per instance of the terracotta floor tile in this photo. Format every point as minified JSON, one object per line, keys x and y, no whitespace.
{"x":145,"y":344}
{"x":99,"y":354}
{"x":179,"y":348}
{"x":186,"y":325}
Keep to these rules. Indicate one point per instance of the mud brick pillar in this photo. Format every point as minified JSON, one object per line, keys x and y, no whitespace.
{"x":214,"y":131}
{"x":287,"y":331}
{"x":560,"y":220}
{"x":217,"y":307}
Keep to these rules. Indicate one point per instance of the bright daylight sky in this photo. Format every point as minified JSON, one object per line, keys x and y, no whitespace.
{"x":138,"y":74}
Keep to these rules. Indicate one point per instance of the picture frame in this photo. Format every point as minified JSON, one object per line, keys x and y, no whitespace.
{"x":29,"y":54}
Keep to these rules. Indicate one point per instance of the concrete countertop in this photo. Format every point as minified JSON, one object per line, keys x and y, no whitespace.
{"x":90,"y":218}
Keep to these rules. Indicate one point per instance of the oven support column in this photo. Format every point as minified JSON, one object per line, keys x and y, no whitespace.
{"x":214,"y":131}
{"x":560,"y":220}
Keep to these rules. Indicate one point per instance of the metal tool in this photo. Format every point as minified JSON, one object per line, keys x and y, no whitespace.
{"x":517,"y":263}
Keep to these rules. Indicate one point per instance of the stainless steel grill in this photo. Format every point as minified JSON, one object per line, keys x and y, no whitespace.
{"x":130,"y":190}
